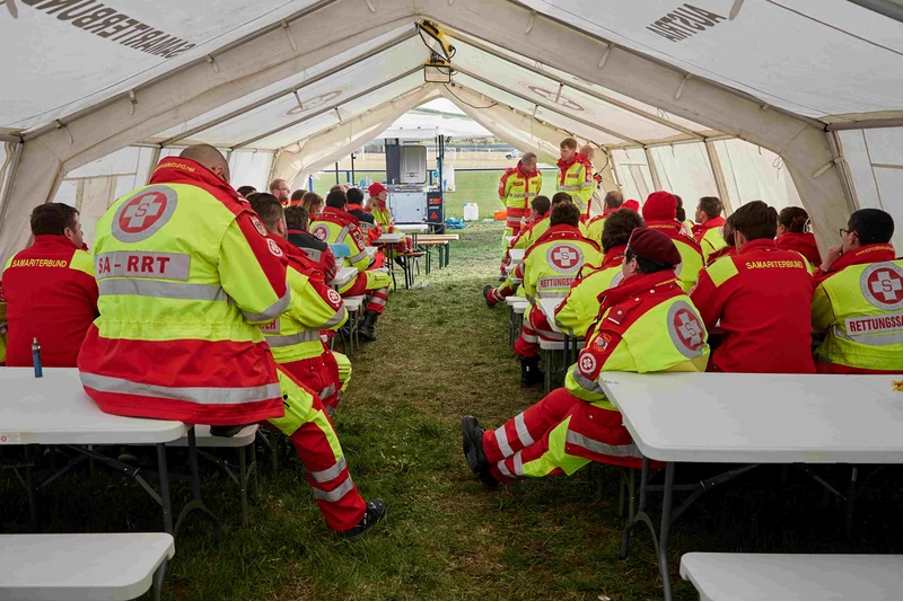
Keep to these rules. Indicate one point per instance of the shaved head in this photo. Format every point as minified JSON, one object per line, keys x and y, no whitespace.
{"x":588,"y":151}
{"x":209,"y":157}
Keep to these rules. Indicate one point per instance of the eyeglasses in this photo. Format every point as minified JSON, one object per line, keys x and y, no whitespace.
{"x":843,"y":231}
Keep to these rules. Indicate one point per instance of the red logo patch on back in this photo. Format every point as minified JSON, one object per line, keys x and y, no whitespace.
{"x":321,"y":232}
{"x":686,"y":330}
{"x":565,"y":258}
{"x":144,"y":213}
{"x":882,"y":285}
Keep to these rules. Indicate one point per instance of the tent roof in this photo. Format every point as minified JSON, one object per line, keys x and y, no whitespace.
{"x":805,"y":57}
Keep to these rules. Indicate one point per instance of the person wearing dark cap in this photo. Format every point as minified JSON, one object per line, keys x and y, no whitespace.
{"x":660,"y":213}
{"x":648,"y":324}
{"x":761,"y":298}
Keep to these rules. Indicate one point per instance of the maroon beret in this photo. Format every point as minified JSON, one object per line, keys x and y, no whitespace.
{"x":660,"y":205}
{"x":654,"y":246}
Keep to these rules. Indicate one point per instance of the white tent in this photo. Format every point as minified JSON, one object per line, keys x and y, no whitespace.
{"x":791,"y":101}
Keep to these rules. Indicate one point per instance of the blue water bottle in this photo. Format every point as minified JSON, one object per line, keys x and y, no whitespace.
{"x":36,"y":354}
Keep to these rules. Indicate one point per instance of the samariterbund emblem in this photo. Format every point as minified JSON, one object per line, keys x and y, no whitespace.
{"x":883,"y":285}
{"x":140,"y":216}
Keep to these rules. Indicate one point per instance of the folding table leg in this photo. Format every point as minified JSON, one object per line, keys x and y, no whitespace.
{"x":157,"y":583}
{"x":164,"y":490}
{"x":255,"y":491}
{"x":243,"y":485}
{"x":197,"y":503}
{"x":664,"y":524}
{"x":30,"y":487}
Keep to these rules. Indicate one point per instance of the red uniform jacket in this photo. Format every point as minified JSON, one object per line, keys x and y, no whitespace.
{"x":729,"y":251}
{"x":700,"y":229}
{"x":50,"y":296}
{"x":528,"y":227}
{"x":762,"y":297}
{"x":802,"y":242}
{"x":316,"y":250}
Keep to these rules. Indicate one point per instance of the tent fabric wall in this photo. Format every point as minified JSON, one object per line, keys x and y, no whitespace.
{"x":633,"y":173}
{"x":753,"y":173}
{"x":874,"y":159}
{"x":251,"y":168}
{"x":685,"y":169}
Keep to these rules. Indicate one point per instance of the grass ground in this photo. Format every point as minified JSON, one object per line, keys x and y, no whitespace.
{"x":441,"y":354}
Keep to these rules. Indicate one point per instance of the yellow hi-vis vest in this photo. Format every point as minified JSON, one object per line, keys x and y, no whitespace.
{"x":581,"y":307}
{"x":295,"y":335}
{"x":554,"y":260}
{"x":578,"y":182}
{"x":528,"y":238}
{"x":516,"y":189}
{"x":652,"y":326}
{"x":185,"y":272}
{"x":859,"y":308}
{"x":711,"y":242}
{"x":382,"y":216}
{"x":336,"y":227}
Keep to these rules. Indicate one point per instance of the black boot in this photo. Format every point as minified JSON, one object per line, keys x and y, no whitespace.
{"x":366,"y":328}
{"x":373,"y":513}
{"x":530,"y":371}
{"x":503,"y":277}
{"x":472,"y":446}
{"x":486,"y":296}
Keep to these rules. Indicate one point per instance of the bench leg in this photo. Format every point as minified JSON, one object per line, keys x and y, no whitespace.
{"x":255,"y":489}
{"x":274,"y":450}
{"x":197,"y":503}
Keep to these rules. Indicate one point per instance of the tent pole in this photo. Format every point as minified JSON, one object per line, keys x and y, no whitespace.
{"x":719,"y":176}
{"x":353,"y":167}
{"x":654,"y":173}
{"x":11,"y":178}
{"x":337,"y":172}
{"x":155,"y":158}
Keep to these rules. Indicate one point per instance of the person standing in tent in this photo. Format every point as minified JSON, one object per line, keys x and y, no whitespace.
{"x":708,"y":231}
{"x":280,"y":189}
{"x":337,"y":226}
{"x":575,"y":175}
{"x":794,"y":234}
{"x":517,"y":187}
{"x":187,"y":275}
{"x":858,"y":299}
{"x":588,"y":152}
{"x":611,"y":203}
{"x":50,"y":290}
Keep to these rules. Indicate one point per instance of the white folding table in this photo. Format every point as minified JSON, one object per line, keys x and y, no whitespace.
{"x":83,"y":566}
{"x":390,"y":238}
{"x":516,"y":255}
{"x":55,"y":410}
{"x":750,"y":419}
{"x":345,"y":275}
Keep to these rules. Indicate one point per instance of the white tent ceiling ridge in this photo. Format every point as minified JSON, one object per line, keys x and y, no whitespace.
{"x":291,"y":89}
{"x":360,"y":116}
{"x":328,"y":109}
{"x":537,"y":68}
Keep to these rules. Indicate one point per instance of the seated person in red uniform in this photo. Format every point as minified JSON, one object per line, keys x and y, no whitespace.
{"x":50,"y":290}
{"x":761,"y":297}
{"x":794,"y":234}
{"x":297,"y":221}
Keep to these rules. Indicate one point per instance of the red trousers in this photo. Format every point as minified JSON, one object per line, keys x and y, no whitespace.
{"x":560,"y":433}
{"x":534,"y":328}
{"x":319,"y":374}
{"x":311,"y":432}
{"x":378,"y":297}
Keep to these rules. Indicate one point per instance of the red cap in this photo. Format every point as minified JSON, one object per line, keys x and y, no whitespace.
{"x":375,"y":189}
{"x":654,"y":246}
{"x":660,"y":205}
{"x":632,"y":205}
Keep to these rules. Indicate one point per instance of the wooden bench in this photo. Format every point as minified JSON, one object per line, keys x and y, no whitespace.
{"x":440,"y":241}
{"x":794,"y":576}
{"x":84,"y":566}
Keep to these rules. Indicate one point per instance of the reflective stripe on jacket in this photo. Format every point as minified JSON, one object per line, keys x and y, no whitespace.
{"x":517,"y":188}
{"x":335,"y":226}
{"x":551,"y":264}
{"x":581,"y":307}
{"x":576,"y":178}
